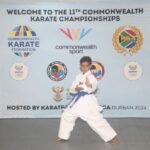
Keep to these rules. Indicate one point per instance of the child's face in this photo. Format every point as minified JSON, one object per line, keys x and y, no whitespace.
{"x":85,"y":66}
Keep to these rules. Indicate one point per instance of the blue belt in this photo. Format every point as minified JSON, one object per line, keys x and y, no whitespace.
{"x":76,"y":97}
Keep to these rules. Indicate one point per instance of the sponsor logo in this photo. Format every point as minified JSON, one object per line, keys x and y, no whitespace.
{"x":76,"y":36}
{"x":23,"y":41}
{"x":56,"y":71}
{"x":19,"y":71}
{"x":128,"y":40}
{"x":133,"y":71}
{"x":97,"y":70}
{"x":58,"y":93}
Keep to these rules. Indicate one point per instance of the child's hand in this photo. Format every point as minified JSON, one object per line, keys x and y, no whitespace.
{"x":87,"y":82}
{"x":78,"y":88}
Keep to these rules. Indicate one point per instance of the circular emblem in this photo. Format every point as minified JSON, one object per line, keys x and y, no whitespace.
{"x":97,"y":70}
{"x":23,"y":41}
{"x":56,"y":71}
{"x":133,"y":70}
{"x":128,"y":39}
{"x":19,"y":71}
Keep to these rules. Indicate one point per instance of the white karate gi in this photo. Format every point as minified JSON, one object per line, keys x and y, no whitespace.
{"x":86,"y":108}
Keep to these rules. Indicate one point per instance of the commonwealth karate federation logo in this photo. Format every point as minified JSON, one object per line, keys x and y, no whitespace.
{"x":75,"y":34}
{"x":128,"y":40}
{"x":23,"y":41}
{"x":97,"y":70}
{"x":57,"y":71}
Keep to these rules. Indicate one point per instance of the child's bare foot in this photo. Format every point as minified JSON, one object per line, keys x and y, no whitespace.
{"x":59,"y":139}
{"x":114,"y":140}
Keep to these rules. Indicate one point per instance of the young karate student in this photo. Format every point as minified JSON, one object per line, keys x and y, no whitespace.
{"x":85,"y":106}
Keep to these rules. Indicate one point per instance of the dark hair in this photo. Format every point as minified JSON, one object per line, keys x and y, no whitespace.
{"x":86,"y":59}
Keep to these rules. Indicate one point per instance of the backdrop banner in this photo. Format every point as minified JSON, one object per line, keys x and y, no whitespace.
{"x":41,"y":45}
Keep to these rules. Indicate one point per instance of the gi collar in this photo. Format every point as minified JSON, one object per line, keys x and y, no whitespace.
{"x":88,"y":72}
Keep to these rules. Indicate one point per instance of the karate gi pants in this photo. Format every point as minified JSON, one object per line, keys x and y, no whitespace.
{"x":87,"y":109}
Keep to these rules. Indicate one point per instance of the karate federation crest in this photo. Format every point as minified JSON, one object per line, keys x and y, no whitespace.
{"x":56,"y":71}
{"x":128,"y":40}
{"x":97,"y":70}
{"x":57,"y":93}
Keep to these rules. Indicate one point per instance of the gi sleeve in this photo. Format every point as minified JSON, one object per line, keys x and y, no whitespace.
{"x":93,"y":82}
{"x":73,"y":86}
